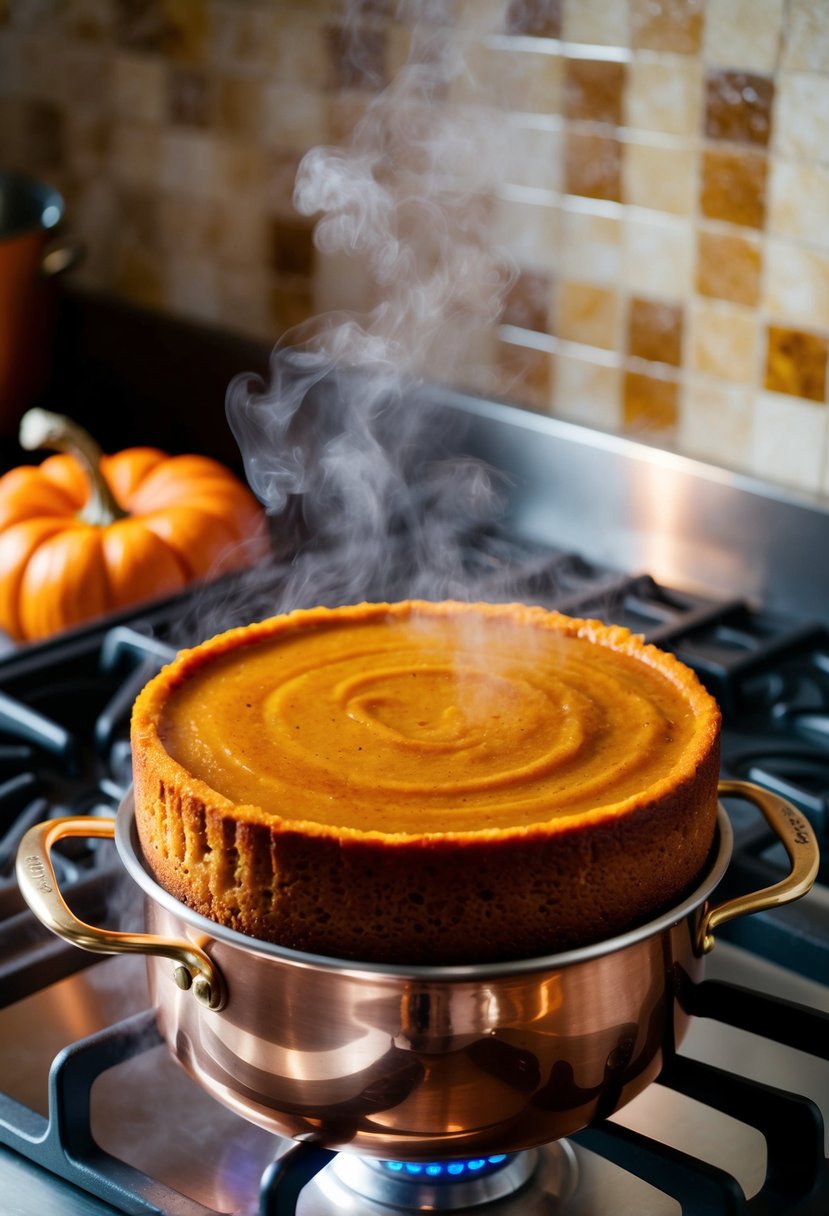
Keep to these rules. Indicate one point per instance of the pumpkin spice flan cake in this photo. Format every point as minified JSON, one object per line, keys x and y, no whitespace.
{"x":426,"y":782}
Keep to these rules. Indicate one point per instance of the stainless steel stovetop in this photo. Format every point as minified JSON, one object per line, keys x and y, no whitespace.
{"x":729,"y":575}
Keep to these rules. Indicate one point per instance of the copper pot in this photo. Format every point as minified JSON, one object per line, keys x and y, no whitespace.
{"x":31,"y":258}
{"x":417,"y":1062}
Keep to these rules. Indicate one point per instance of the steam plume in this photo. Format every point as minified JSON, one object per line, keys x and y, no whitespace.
{"x":340,"y":430}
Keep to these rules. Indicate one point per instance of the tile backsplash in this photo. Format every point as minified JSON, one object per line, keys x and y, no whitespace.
{"x":647,"y":179}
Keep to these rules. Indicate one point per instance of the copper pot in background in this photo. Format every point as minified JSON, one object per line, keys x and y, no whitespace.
{"x":31,"y":260}
{"x":417,"y":1061}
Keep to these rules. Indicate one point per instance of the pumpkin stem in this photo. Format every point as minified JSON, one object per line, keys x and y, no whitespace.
{"x":43,"y":429}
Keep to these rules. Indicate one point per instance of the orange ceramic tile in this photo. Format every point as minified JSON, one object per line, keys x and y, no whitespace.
{"x":738,"y":107}
{"x":356,"y":57}
{"x":728,"y":267}
{"x":524,"y":375}
{"x":288,"y":305}
{"x":292,"y":247}
{"x":528,"y":301}
{"x":796,"y":363}
{"x":541,"y":18}
{"x":190,"y":99}
{"x":43,"y":134}
{"x":587,"y":314}
{"x":733,"y":186}
{"x":140,"y":24}
{"x":649,"y":403}
{"x":241,"y":105}
{"x":666,"y":25}
{"x":654,"y":330}
{"x":592,"y":166}
{"x":186,"y":30}
{"x":593,"y":90}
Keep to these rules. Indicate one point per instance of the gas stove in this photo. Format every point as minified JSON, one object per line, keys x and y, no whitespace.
{"x":95,"y":1117}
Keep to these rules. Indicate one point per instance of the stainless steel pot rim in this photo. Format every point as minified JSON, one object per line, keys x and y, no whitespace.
{"x":129,"y":851}
{"x":27,"y":205}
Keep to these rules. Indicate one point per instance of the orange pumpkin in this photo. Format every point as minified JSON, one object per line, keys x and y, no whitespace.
{"x":83,"y":534}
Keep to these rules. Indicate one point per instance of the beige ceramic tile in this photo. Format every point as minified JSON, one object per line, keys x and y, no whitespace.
{"x":243,"y":36}
{"x":798,"y":202}
{"x":801,"y":115}
{"x":658,"y":257}
{"x":86,"y":139}
{"x":95,"y":214}
{"x":136,"y":155}
{"x":242,"y":233}
{"x":715,"y":423}
{"x":788,"y":441}
{"x":724,"y":340}
{"x":295,"y":117}
{"x":189,"y":163}
{"x":533,"y":156}
{"x":588,"y":314}
{"x":743,"y":33}
{"x":245,"y":169}
{"x":39,"y":66}
{"x":85,"y":74}
{"x":590,"y":248}
{"x":658,"y":176}
{"x":797,"y":284}
{"x":806,"y":41}
{"x":525,"y":81}
{"x":192,"y":288}
{"x":188,"y":225}
{"x":599,"y":22}
{"x":139,"y":88}
{"x":665,"y":94}
{"x":587,"y":393}
{"x":528,"y":233}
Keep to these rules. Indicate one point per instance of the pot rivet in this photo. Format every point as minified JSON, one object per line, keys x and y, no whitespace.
{"x":202,"y":991}
{"x":182,"y":977}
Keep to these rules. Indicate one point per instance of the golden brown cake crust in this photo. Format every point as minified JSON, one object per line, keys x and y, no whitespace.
{"x":451,"y":897}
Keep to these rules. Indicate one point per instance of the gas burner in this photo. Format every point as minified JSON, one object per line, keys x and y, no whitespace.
{"x":532,"y":1183}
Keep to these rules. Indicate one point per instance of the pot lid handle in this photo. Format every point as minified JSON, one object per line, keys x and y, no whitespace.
{"x":39,"y":886}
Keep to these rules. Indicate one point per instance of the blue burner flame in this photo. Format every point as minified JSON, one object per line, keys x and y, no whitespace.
{"x":446,"y":1170}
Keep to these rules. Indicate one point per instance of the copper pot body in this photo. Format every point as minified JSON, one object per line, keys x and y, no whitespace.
{"x":417,"y":1062}
{"x":30,"y":263}
{"x":418,"y":1066}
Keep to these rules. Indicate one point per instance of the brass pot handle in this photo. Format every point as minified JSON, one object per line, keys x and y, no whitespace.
{"x":39,"y":886}
{"x":795,"y":833}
